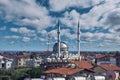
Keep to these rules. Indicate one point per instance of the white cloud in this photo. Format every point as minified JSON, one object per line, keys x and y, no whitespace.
{"x":90,"y":19}
{"x":3,"y":28}
{"x":60,"y":5}
{"x":40,"y":24}
{"x":111,"y":19}
{"x":14,"y":29}
{"x":43,"y":33}
{"x":100,"y":45}
{"x":23,"y":30}
{"x":26,"y":39}
{"x":23,"y":8}
{"x":109,"y":37}
{"x":99,"y":15}
{"x":12,"y":42}
{"x":71,"y":36}
{"x":12,"y":37}
{"x":29,"y":13}
{"x":25,"y":13}
{"x":104,"y":16}
{"x":70,"y":19}
{"x":115,"y":29}
{"x":63,"y":32}
{"x":53,"y":34}
{"x":42,"y":39}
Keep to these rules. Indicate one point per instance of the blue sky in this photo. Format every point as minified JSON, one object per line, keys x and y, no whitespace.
{"x":25,"y":24}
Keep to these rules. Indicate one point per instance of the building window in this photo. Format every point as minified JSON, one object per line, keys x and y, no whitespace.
{"x":19,"y":63}
{"x":3,"y":65}
{"x":19,"y":59}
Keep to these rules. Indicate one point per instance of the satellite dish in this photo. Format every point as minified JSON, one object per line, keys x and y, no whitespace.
{"x":110,"y":75}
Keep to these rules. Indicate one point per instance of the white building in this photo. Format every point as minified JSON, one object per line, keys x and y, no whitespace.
{"x":8,"y":64}
{"x":5,"y":62}
{"x":36,"y":62}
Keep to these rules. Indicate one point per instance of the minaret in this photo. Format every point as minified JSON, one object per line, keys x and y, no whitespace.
{"x":78,"y":39}
{"x":48,"y":41}
{"x":58,"y":32}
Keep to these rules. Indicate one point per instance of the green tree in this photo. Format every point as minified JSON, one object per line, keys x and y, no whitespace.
{"x":18,"y":73}
{"x":5,"y":78}
{"x":2,"y":71}
{"x":35,"y":72}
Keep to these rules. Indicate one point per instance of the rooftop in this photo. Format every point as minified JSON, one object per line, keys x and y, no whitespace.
{"x":83,"y":64}
{"x":99,"y":56}
{"x":108,"y":67}
{"x":64,"y":70}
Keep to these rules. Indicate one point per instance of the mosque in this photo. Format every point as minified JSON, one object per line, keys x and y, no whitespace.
{"x":61,"y":49}
{"x":62,"y":65}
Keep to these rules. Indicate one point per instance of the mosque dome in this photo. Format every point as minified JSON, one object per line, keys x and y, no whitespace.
{"x":63,"y":48}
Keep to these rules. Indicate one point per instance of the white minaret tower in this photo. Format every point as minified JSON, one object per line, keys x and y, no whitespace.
{"x":78,"y":39}
{"x":58,"y":32}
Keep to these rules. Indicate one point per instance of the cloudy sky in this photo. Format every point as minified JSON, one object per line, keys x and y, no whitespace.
{"x":26,"y":24}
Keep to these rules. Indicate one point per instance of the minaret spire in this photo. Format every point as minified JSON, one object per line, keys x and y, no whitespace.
{"x":78,"y":39}
{"x":58,"y":32}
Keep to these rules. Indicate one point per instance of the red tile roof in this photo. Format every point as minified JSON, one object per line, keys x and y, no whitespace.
{"x":98,"y":56}
{"x":65,"y":71}
{"x":15,"y":56}
{"x":83,"y":64}
{"x":47,"y":52}
{"x":108,"y":67}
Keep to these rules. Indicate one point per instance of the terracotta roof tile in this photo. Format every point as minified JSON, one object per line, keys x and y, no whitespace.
{"x":66,"y":71}
{"x":108,"y":67}
{"x":83,"y":64}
